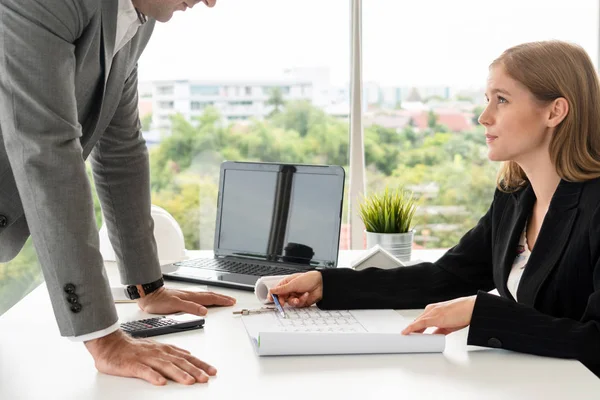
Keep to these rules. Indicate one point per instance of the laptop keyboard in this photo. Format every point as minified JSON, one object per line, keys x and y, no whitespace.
{"x":223,"y":265}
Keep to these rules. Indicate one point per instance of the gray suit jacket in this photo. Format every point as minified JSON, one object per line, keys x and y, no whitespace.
{"x":63,"y":96}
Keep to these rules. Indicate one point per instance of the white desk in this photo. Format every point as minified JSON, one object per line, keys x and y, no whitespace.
{"x":36,"y":363}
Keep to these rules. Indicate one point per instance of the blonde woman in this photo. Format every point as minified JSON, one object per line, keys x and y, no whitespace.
{"x":538,"y":244}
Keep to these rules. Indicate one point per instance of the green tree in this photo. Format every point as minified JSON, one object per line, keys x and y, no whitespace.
{"x":146,"y":121}
{"x":186,"y":143}
{"x":183,"y":203}
{"x":383,"y":147}
{"x":96,"y":200}
{"x":185,"y":167}
{"x":300,"y":116}
{"x":300,"y":133}
{"x":409,"y":135}
{"x":432,"y":119}
{"x":19,"y":277}
{"x":275,"y":99}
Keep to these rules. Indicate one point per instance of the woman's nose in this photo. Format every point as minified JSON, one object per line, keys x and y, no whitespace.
{"x":485,"y":117}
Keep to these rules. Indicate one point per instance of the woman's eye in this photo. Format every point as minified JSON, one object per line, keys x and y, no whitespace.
{"x":502,"y":100}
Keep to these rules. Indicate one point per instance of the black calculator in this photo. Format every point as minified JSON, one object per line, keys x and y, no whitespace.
{"x":162,"y":325}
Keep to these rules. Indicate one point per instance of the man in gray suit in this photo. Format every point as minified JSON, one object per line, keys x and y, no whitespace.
{"x":68,"y":89}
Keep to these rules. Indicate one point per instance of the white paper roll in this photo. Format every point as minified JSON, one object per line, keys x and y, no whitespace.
{"x":262,"y":286}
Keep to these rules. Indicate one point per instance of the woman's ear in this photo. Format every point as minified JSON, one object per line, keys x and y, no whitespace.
{"x":558,"y":111}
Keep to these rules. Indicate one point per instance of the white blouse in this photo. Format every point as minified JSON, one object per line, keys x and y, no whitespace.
{"x":519,"y":264}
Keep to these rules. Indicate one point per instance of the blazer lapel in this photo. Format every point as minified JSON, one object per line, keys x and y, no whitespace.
{"x":511,"y":226}
{"x":108,"y":27}
{"x":551,"y":241}
{"x":109,"y":33}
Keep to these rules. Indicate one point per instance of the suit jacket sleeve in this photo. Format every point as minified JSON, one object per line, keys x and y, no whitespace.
{"x":463,"y":270}
{"x":40,"y":129}
{"x":122,"y":175}
{"x":500,"y":322}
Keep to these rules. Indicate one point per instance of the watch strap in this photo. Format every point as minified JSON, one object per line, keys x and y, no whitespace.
{"x":138,"y":291}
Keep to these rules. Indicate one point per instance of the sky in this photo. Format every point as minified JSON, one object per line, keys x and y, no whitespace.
{"x":405,"y":42}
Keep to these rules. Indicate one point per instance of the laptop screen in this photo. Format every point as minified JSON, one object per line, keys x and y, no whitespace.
{"x":280,"y":213}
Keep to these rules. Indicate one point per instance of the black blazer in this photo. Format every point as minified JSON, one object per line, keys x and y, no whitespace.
{"x":558,"y":308}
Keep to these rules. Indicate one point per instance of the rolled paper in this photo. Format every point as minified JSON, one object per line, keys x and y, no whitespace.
{"x":262,"y":286}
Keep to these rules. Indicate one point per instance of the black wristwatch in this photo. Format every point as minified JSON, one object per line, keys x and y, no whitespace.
{"x":137,"y":291}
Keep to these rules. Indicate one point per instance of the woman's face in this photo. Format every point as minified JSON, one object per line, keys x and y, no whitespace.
{"x":516,"y":123}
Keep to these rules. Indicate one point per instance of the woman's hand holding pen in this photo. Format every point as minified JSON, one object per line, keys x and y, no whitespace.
{"x":300,"y":290}
{"x":447,"y":316}
{"x":303,"y":290}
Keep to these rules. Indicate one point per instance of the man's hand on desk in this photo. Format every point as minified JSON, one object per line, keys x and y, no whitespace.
{"x":121,"y":355}
{"x":169,"y":301}
{"x":447,"y":316}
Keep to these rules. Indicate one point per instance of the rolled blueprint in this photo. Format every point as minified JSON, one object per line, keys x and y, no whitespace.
{"x":262,"y":286}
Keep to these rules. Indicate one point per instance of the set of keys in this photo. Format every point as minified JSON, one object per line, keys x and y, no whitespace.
{"x":278,"y":307}
{"x":246,"y":311}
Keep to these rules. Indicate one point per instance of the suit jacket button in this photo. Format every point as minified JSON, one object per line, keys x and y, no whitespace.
{"x":69,"y":288}
{"x":76,"y":307}
{"x":3,"y":221}
{"x":495,"y":343}
{"x":73,"y":298}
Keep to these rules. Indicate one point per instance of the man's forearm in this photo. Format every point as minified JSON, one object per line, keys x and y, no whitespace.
{"x":122,"y":175}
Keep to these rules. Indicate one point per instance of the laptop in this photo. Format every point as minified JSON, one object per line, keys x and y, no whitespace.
{"x":272,"y":219}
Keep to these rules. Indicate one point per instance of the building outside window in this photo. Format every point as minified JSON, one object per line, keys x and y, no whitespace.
{"x":202,"y":90}
{"x":165,"y":90}
{"x":200,"y":105}
{"x":166,"y":105}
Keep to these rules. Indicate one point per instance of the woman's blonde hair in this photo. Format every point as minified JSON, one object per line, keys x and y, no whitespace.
{"x":550,"y":70}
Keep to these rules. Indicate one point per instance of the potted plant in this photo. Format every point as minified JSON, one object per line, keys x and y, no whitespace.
{"x":387,"y":217}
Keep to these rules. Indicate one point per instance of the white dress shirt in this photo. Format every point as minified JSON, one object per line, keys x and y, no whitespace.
{"x":128,"y":22}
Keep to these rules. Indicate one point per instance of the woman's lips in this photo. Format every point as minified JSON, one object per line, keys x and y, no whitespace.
{"x":490,"y":138}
